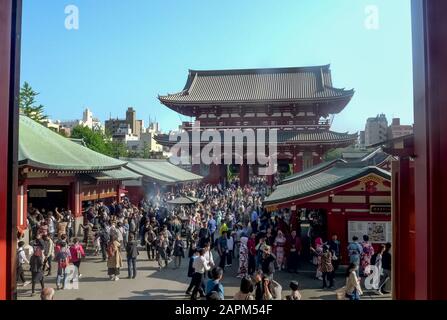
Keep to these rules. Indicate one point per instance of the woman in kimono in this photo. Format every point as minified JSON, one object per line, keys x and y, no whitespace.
{"x":367,"y":253}
{"x":318,"y":251}
{"x":243,"y":258}
{"x":279,"y":244}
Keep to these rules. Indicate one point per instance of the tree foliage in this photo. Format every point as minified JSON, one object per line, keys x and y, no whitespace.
{"x":28,"y":106}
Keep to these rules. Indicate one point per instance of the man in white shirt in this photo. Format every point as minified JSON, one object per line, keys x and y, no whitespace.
{"x":230,"y":244}
{"x":200,"y":266}
{"x":22,"y":259}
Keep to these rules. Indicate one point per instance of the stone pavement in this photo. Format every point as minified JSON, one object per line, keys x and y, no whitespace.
{"x":167,"y":284}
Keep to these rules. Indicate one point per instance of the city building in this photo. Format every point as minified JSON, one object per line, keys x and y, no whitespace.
{"x":298,"y":102}
{"x":376,"y":130}
{"x":362,"y":139}
{"x":115,"y":126}
{"x":87,"y":121}
{"x":397,"y":130}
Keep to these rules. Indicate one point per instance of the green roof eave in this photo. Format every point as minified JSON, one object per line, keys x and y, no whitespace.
{"x":162,"y":171}
{"x":359,"y":172}
{"x":42,"y":149}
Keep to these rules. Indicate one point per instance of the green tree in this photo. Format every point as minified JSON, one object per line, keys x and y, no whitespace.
{"x":117,"y":149}
{"x":27,"y":104}
{"x":333,"y":154}
{"x":146,"y":150}
{"x":94,"y":140}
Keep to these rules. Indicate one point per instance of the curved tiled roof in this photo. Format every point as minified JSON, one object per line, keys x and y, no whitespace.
{"x":321,"y":182}
{"x":317,"y":168}
{"x":254,"y":85}
{"x":161,"y":171}
{"x":42,"y":148}
{"x":287,"y":137}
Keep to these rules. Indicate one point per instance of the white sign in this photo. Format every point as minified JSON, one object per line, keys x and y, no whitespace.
{"x":378,"y":231}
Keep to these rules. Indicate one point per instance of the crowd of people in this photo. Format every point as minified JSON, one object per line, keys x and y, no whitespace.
{"x":227,"y":223}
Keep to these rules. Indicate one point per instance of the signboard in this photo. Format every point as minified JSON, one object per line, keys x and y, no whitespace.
{"x":380,"y":209}
{"x":378,"y":231}
{"x":37,"y":193}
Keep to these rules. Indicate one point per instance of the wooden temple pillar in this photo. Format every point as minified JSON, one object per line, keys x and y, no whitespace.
{"x":10,"y":28}
{"x":403,"y":229}
{"x":430,"y":142}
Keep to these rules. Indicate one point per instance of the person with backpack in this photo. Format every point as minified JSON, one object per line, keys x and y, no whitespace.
{"x":77,"y":253}
{"x":214,"y":285}
{"x":63,"y":257}
{"x":114,"y":260}
{"x":21,"y":260}
{"x":132,"y":254}
{"x":36,"y":268}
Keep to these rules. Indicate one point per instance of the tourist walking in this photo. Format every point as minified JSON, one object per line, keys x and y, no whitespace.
{"x":21,"y":260}
{"x":243,"y":258}
{"x":114,"y":260}
{"x":162,"y":245}
{"x":268,"y":263}
{"x":77,"y":253}
{"x":251,"y":245}
{"x":214,"y":286}
{"x":367,"y":253}
{"x":49,"y":253}
{"x":327,"y":267}
{"x":222,"y":249}
{"x":386,"y":267}
{"x":354,"y":252}
{"x":63,"y":257}
{"x":353,"y":288}
{"x":200,"y":266}
{"x":279,"y":248}
{"x":149,"y":239}
{"x":179,"y":251}
{"x":132,"y":254}
{"x":36,"y":267}
{"x":245,"y":290}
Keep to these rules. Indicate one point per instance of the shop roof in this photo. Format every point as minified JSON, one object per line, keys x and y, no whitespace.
{"x":43,"y":149}
{"x":161,"y":171}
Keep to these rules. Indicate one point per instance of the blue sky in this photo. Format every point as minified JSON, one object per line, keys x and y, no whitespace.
{"x":125,"y":53}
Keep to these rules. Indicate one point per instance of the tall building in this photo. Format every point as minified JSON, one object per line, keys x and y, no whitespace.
{"x":67,"y":126}
{"x":397,"y":130}
{"x":136,"y":126}
{"x":362,"y":138}
{"x":376,"y":130}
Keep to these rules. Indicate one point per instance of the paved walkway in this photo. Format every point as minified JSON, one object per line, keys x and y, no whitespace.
{"x":168,"y":284}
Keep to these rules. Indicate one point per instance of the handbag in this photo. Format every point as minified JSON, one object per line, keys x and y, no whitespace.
{"x":341,"y":293}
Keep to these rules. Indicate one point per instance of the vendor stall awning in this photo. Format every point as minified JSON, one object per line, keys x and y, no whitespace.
{"x":185,"y":200}
{"x":161,"y":171}
{"x":44,"y":149}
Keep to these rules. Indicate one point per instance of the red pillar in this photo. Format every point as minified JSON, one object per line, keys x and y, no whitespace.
{"x":403,"y":230}
{"x":298,"y":163}
{"x":10,"y":21}
{"x":430,"y":134}
{"x":243,"y":175}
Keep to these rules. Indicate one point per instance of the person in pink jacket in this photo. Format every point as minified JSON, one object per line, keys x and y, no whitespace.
{"x":77,"y":253}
